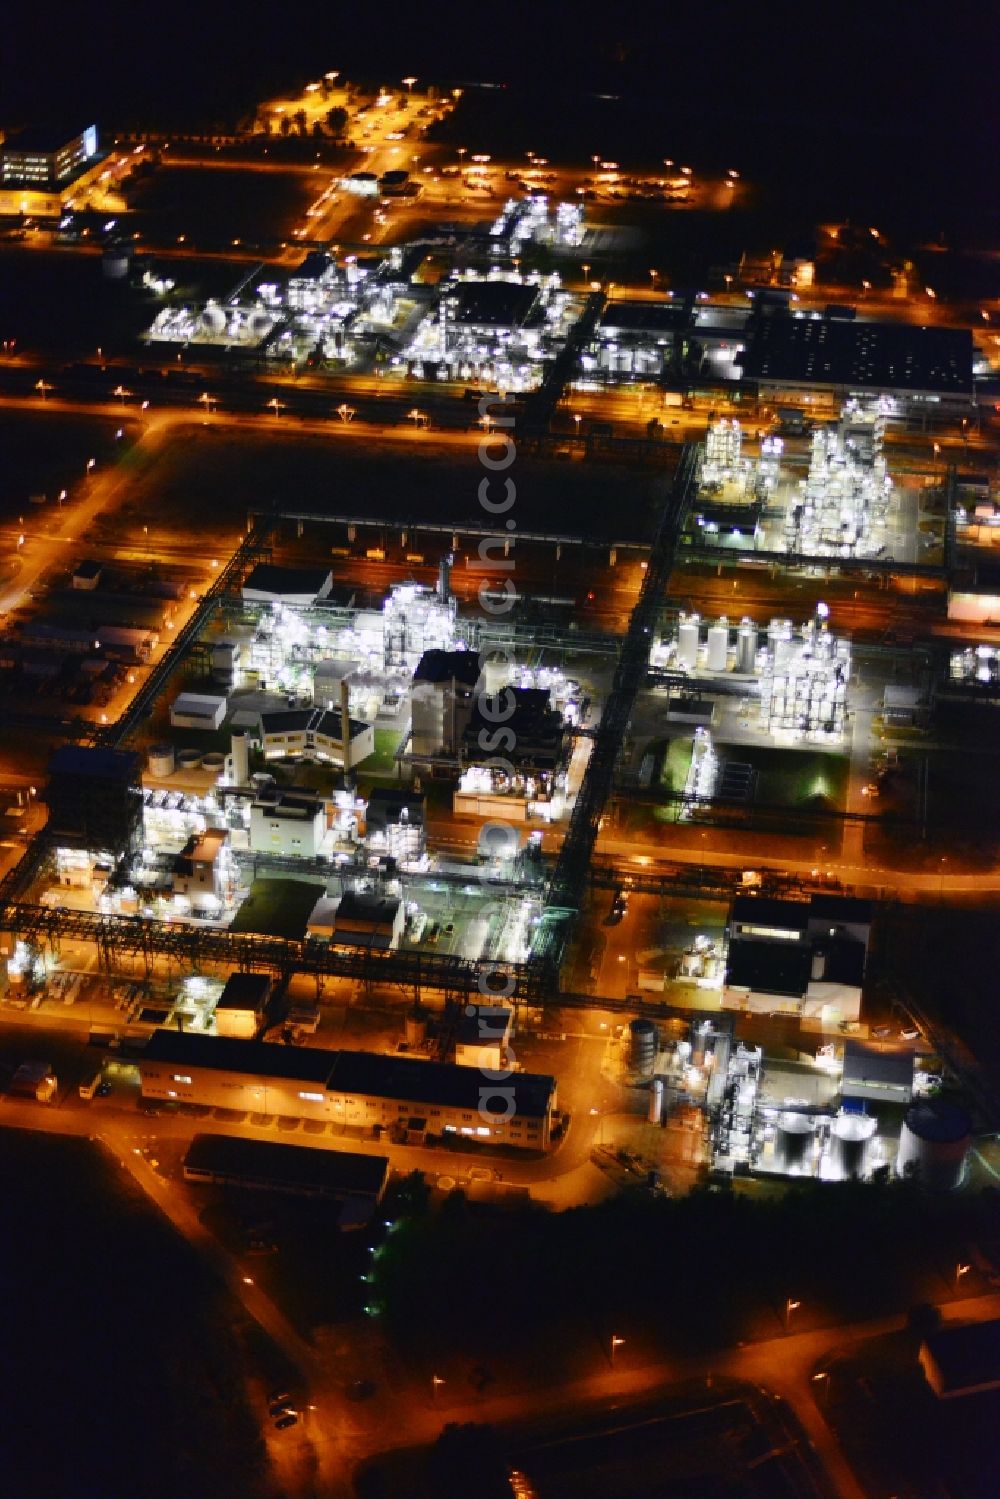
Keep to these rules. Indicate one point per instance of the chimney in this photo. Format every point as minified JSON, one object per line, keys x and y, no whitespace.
{"x":345,"y":722}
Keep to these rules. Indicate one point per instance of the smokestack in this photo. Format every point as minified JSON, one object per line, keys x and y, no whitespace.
{"x":345,"y":722}
{"x":444,"y":578}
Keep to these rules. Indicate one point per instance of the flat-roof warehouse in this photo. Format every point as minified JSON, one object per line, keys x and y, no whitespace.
{"x":915,"y":364}
{"x":264,"y":1165}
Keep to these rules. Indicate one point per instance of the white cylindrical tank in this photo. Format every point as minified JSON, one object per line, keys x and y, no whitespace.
{"x":692,"y":963}
{"x":933,"y":1144}
{"x":189,"y":759}
{"x":241,"y":759}
{"x":656,"y":1101}
{"x":160,"y":759}
{"x":850,"y":1143}
{"x":718,"y":645}
{"x":213,"y":319}
{"x":496,"y":673}
{"x":746,"y":647}
{"x":794,"y":1142}
{"x":687,"y":642}
{"x":415,"y":1026}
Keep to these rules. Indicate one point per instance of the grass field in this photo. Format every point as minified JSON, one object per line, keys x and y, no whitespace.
{"x":44,"y":452}
{"x":277,"y":908}
{"x":793,"y":778}
{"x":212,"y":471}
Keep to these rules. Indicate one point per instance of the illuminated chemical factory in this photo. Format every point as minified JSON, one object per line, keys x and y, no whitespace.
{"x":842,"y":508}
{"x":323,"y":310}
{"x":503,"y":328}
{"x":800,"y":676}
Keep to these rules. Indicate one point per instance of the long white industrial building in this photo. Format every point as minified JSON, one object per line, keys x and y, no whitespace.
{"x":408,"y":1098}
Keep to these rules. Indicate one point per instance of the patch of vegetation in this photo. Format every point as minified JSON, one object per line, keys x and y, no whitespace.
{"x":128,"y":1376}
{"x":277,"y":908}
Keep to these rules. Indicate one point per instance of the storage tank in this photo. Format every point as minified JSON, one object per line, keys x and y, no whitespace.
{"x":189,"y":759}
{"x":687,"y":642}
{"x":213,"y":320}
{"x":214,"y":761}
{"x":933,"y":1144}
{"x":793,"y":1143}
{"x":496,"y":675}
{"x":160,"y":759}
{"x":656,"y":1101}
{"x":850,"y":1143}
{"x":415,"y":1026}
{"x":241,"y":759}
{"x":746,"y":647}
{"x":642,"y":1045}
{"x":718,"y":645}
{"x":692,"y":963}
{"x":115,"y":262}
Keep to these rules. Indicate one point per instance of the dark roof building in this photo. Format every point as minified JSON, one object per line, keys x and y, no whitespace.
{"x":872,"y":1073}
{"x":769,"y":967}
{"x":246,"y":991}
{"x":304,"y":1064}
{"x":448,"y":666}
{"x":891,"y":358}
{"x":962,"y":1359}
{"x":95,"y":798}
{"x":297,"y":585}
{"x":389,"y":806}
{"x":539,"y":734}
{"x":490,"y":304}
{"x":264,"y":1165}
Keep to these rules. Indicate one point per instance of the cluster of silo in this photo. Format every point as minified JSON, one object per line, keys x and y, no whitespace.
{"x":716,"y":658}
{"x":934,"y":1144}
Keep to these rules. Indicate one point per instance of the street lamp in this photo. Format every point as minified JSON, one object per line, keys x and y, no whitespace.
{"x":207,"y":400}
{"x":436,"y":1383}
{"x":91,"y":465}
{"x":418,"y":418}
{"x":121,"y":393}
{"x":961,"y":1270}
{"x":276,"y":406}
{"x":578,"y":419}
{"x":345,"y":412}
{"x":409,"y":84}
{"x":616,"y":1343}
{"x":43,"y":387}
{"x":790,"y":1307}
{"x":585,"y":268}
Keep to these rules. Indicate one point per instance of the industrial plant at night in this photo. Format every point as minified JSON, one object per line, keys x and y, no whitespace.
{"x":500,"y":652}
